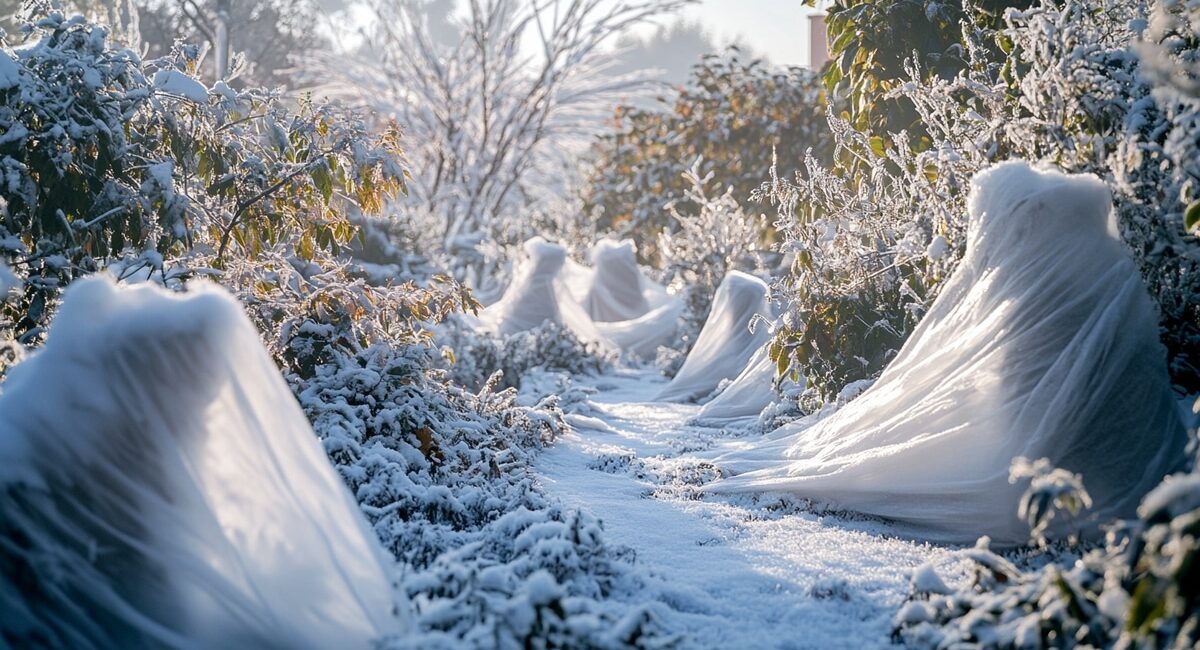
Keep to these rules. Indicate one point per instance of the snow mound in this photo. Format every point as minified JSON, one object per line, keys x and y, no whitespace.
{"x":160,"y":487}
{"x":726,"y":343}
{"x":1043,"y":344}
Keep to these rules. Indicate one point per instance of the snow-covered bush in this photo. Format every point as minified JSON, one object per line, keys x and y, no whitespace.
{"x":866,"y":254}
{"x":872,"y":42}
{"x":723,"y":127}
{"x":109,"y":160}
{"x":879,"y":231}
{"x":446,"y":478}
{"x":1141,"y":589}
{"x":550,"y":347}
{"x":1051,"y":491}
{"x":429,"y":462}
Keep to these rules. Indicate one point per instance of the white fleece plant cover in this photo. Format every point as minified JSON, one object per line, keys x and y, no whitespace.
{"x":633,"y":313}
{"x":615,"y":292}
{"x":1043,"y":344}
{"x":161,"y":488}
{"x":747,"y":395}
{"x":727,"y":342}
{"x":548,"y":286}
{"x":539,"y":293}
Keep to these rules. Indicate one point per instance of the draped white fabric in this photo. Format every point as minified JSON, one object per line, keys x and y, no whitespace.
{"x":1042,"y":344}
{"x":613,"y":303}
{"x":727,"y":341}
{"x":160,"y":487}
{"x":746,"y":396}
{"x":615,"y":292}
{"x":634,"y":313}
{"x":532,"y":296}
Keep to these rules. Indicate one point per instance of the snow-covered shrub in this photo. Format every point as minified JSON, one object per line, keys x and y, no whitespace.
{"x":722,"y":128}
{"x":429,"y":462}
{"x":549,"y":347}
{"x":1051,"y":490}
{"x":865,"y":256}
{"x":107,"y":159}
{"x":879,"y":231}
{"x":445,"y":476}
{"x":872,"y":42}
{"x":1140,"y":589}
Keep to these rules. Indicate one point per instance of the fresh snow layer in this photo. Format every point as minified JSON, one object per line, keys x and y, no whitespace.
{"x":729,"y":573}
{"x":178,"y":83}
{"x":167,"y":490}
{"x":10,"y":71}
{"x":1043,"y":344}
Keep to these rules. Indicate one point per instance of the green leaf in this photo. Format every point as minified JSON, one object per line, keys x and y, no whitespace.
{"x":324,"y":182}
{"x":1191,"y":218}
{"x":306,"y":250}
{"x":878,"y":146}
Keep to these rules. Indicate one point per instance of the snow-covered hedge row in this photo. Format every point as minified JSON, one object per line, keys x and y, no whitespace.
{"x":446,"y":478}
{"x":549,"y":347}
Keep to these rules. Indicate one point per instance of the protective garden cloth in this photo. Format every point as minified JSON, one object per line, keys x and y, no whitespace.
{"x":612,"y":303}
{"x":161,"y":488}
{"x":1043,"y":344}
{"x":633,"y":313}
{"x":730,"y":337}
{"x":615,"y":292}
{"x":747,"y":395}
{"x":539,"y":293}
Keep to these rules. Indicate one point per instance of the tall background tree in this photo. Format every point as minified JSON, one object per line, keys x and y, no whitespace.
{"x":733,"y":118}
{"x":254,"y":39}
{"x":496,"y":111}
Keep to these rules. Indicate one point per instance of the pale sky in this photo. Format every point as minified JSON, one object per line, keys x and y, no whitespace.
{"x":777,"y":29}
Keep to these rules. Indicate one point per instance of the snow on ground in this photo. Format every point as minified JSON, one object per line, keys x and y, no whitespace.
{"x":763,"y":572}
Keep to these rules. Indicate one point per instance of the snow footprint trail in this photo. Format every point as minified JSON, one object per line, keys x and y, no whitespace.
{"x":730,"y":572}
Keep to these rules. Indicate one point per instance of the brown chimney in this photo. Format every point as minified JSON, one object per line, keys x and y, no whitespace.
{"x":818,"y":41}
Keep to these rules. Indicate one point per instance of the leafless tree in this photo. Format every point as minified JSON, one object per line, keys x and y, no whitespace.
{"x":496,"y":118}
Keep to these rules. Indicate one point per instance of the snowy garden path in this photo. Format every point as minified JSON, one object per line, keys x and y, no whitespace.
{"x":762,"y":573}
